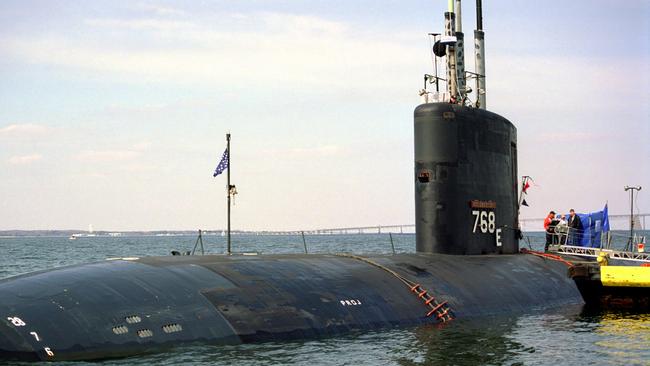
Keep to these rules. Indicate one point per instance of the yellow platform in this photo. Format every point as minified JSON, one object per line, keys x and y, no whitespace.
{"x":626,"y":276}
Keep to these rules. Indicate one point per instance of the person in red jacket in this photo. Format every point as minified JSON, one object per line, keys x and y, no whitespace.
{"x":547,"y":227}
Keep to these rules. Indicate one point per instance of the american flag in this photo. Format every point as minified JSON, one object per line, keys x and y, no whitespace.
{"x":223,"y":164}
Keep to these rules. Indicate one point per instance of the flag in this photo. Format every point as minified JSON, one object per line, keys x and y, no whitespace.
{"x":526,"y":186}
{"x":605,"y":219}
{"x":524,"y":203}
{"x":223,"y":164}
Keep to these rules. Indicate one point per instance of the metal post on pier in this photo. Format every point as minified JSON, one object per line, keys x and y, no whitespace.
{"x":199,"y":240}
{"x":391,"y":242}
{"x":304,"y":242}
{"x":632,"y":189}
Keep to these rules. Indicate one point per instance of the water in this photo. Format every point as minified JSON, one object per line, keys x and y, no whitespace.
{"x":557,"y":337}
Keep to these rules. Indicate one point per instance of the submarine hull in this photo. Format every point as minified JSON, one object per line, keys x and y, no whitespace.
{"x":125,"y":307}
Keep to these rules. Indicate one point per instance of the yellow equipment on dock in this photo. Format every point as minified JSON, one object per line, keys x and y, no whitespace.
{"x":608,"y":286}
{"x":623,"y":276}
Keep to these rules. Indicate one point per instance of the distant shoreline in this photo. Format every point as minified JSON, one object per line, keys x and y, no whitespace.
{"x":86,"y":234}
{"x":7,"y":234}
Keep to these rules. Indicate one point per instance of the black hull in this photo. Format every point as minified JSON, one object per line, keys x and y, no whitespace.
{"x":127,"y":307}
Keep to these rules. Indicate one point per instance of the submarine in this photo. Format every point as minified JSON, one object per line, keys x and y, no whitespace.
{"x":467,"y":262}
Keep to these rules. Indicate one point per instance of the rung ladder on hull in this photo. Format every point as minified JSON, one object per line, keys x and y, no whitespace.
{"x":440,"y":309}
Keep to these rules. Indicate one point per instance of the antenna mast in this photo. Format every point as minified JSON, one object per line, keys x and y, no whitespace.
{"x":460,"y":53}
{"x":450,"y":35}
{"x":452,"y":46}
{"x":479,"y":56}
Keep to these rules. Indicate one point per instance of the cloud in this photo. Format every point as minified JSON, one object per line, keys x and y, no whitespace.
{"x":24,"y":130}
{"x":278,"y":48}
{"x":305,"y":152}
{"x":530,"y":82}
{"x":94,"y":156}
{"x":142,"y":145}
{"x":24,"y":159}
{"x":141,"y":24}
{"x":302,"y":24}
{"x":267,"y":49}
{"x":327,"y":150}
{"x":572,"y":137}
{"x":159,"y":10}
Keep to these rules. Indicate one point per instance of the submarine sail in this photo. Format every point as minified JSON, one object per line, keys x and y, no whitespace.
{"x":466,"y":265}
{"x":466,"y":181}
{"x":465,"y":159}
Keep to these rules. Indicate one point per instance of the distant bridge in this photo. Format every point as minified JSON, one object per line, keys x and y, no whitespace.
{"x":618,"y":222}
{"x":379,"y":229}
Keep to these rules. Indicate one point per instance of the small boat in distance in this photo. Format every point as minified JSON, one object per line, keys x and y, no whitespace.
{"x":90,"y":233}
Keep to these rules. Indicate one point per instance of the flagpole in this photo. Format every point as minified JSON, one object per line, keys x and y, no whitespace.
{"x":228,"y":187}
{"x":521,"y":197}
{"x":521,"y":193}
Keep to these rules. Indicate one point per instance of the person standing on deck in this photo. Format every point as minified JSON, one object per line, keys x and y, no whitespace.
{"x":547,"y":227}
{"x":562,"y":230}
{"x":552,"y":228}
{"x":575,"y":228}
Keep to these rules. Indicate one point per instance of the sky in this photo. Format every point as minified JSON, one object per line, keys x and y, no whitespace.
{"x":114,"y":113}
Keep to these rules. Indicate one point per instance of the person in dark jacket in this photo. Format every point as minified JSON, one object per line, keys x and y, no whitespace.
{"x":575,"y":228}
{"x":552,"y":228}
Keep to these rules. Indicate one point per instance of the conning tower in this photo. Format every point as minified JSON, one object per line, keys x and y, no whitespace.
{"x":465,"y":161}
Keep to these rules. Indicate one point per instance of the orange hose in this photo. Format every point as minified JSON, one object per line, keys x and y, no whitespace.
{"x":547,"y":255}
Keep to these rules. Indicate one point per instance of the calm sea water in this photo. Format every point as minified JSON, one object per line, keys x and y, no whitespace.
{"x":558,"y":337}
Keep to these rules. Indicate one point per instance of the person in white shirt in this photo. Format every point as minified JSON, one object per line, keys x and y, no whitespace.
{"x":562,"y":229}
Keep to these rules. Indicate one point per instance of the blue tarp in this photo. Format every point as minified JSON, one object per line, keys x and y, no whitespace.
{"x":594,"y":225}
